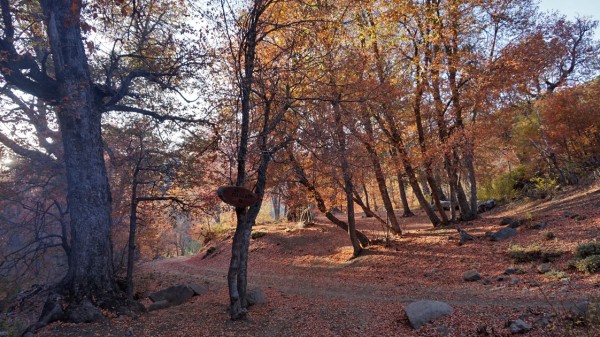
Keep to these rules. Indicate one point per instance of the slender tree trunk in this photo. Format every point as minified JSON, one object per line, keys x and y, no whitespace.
{"x":368,"y":211}
{"x":407,"y":212}
{"x":131,"y":241}
{"x":379,"y":177}
{"x":347,"y":176}
{"x":368,"y":206}
{"x":90,"y":276}
{"x":302,"y":179}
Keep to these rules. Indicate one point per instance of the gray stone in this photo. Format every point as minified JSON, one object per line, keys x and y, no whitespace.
{"x":464,"y":237}
{"x":175,"y":295}
{"x":586,"y":312}
{"x":544,"y":268}
{"x":198,"y":289}
{"x":425,"y":311}
{"x":3,"y":333}
{"x":504,"y":234}
{"x":519,"y":327}
{"x":159,"y":305}
{"x":506,"y":221}
{"x":514,"y":280}
{"x":254,"y":296}
{"x":471,"y":275}
{"x":540,"y":225}
{"x":486,"y":282}
{"x":510,"y":271}
{"x":515,"y":224}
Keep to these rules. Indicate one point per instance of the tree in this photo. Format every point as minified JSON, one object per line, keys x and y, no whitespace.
{"x":56,"y":70}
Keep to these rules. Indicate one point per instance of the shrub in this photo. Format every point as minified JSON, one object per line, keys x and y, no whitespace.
{"x":502,"y":188}
{"x":587,"y":249}
{"x":521,"y":254}
{"x":589,"y":265}
{"x":548,"y":235}
{"x":544,"y":187}
{"x":556,"y":275}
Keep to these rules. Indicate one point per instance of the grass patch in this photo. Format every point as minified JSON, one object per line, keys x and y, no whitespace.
{"x":533,"y":252}
{"x":257,"y":234}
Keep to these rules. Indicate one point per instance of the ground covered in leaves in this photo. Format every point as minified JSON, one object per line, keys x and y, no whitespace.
{"x":312,"y":289}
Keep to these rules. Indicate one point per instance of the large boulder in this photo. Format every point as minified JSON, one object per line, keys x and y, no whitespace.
{"x":175,"y":295}
{"x":503,"y":234}
{"x":425,"y":311}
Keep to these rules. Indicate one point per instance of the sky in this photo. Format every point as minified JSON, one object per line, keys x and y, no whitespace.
{"x":572,"y":8}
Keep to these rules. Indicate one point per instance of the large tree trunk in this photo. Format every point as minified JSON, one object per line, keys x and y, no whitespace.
{"x":90,"y":275}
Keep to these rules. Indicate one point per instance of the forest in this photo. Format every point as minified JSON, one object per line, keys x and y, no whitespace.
{"x":372,"y":127}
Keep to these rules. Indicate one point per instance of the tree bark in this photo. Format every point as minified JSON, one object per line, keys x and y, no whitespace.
{"x":90,"y":275}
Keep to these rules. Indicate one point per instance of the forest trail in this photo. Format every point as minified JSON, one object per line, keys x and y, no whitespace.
{"x":312,"y":289}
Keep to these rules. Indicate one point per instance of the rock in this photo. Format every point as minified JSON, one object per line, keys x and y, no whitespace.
{"x":504,"y":234}
{"x":586,"y":312}
{"x":515,"y":224}
{"x":486,"y":206}
{"x":544,"y":268}
{"x":425,"y":311}
{"x":84,"y":312}
{"x":198,"y":289}
{"x":175,"y":295}
{"x":489,"y":234}
{"x":464,"y":237}
{"x":514,"y":280}
{"x":3,"y":333}
{"x":510,"y":271}
{"x":486,"y":282}
{"x":159,"y":305}
{"x":254,"y":296}
{"x":502,"y":278}
{"x":471,"y":275}
{"x":506,"y":221}
{"x":519,"y":327}
{"x":540,"y":225}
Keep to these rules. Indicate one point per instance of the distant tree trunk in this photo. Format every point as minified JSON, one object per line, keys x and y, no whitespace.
{"x":379,"y":176}
{"x":394,"y":136}
{"x":303,"y":180}
{"x":368,"y":215}
{"x":276,"y":201}
{"x":368,"y":211}
{"x":132,"y":228}
{"x":407,"y":212}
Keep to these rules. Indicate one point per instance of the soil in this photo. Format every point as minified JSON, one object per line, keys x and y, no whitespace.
{"x":313,"y":289}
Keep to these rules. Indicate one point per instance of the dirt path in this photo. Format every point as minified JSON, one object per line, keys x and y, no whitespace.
{"x":312,"y":288}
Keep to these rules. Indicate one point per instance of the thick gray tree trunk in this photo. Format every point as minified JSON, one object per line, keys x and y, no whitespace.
{"x":90,"y":275}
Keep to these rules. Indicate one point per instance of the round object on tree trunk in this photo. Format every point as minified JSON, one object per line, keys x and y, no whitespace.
{"x":237,"y":196}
